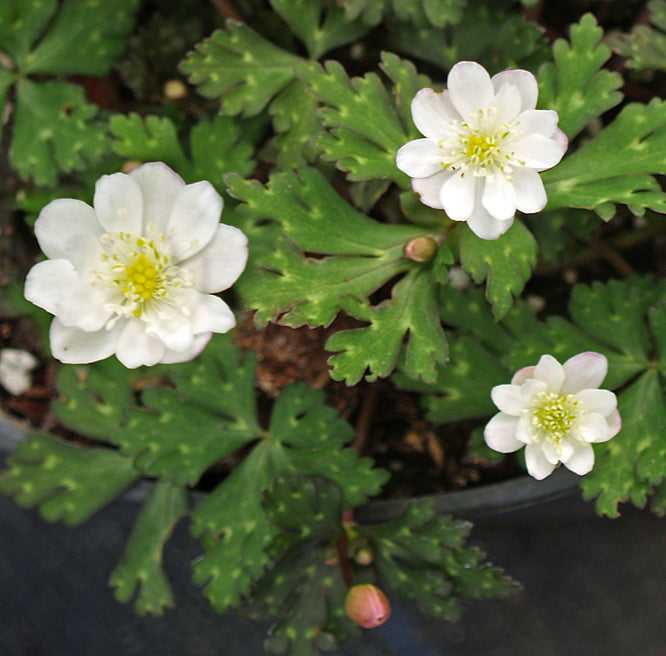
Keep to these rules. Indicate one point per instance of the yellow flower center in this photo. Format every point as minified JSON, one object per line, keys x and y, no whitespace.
{"x":141,"y":278}
{"x":553,"y":415}
{"x":481,"y":147}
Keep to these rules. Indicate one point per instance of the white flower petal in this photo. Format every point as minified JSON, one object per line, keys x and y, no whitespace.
{"x":523,"y":81}
{"x":499,"y":198}
{"x":508,"y":399}
{"x":591,"y":427}
{"x":549,"y":370}
{"x":433,"y":113}
{"x":135,"y":348}
{"x":539,"y":121}
{"x":469,"y":87}
{"x":554,"y":452}
{"x":194,"y":219}
{"x":430,"y":189}
{"x":537,"y":465}
{"x":597,"y":400}
{"x":49,"y":282}
{"x":485,"y":226}
{"x":175,"y":333}
{"x":60,"y":221}
{"x":506,"y":105}
{"x":582,"y":460}
{"x":118,"y":203}
{"x":458,"y":195}
{"x":584,"y":371}
{"x":500,"y":434}
{"x":74,"y":346}
{"x":159,"y":188}
{"x":198,"y":344}
{"x":614,"y":422}
{"x":221,"y":262}
{"x":530,"y":193}
{"x":213,"y":315}
{"x":522,"y":375}
{"x":525,"y":431}
{"x":538,"y":152}
{"x":419,"y":159}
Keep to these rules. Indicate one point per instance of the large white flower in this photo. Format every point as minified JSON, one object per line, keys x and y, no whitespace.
{"x":484,"y":145}
{"x":555,"y":411}
{"x":135,"y":275}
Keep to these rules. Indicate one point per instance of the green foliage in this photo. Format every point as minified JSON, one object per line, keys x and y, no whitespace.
{"x":422,"y":556}
{"x":303,"y":436}
{"x":54,"y":128}
{"x":617,"y":166}
{"x":417,"y":12}
{"x":505,"y":264}
{"x":68,"y":482}
{"x":217,"y":146}
{"x":140,"y":569}
{"x":574,"y":85}
{"x":645,"y":46}
{"x":320,"y":25}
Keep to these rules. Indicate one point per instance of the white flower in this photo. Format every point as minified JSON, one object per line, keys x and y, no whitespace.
{"x":15,"y":368}
{"x":555,"y":411}
{"x":484,"y":145}
{"x":134,"y":276}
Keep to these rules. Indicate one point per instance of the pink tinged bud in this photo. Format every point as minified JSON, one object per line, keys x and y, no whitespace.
{"x":367,"y":605}
{"x":421,"y":249}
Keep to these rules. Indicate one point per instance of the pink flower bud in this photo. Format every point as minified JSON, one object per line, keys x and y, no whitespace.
{"x":367,"y":605}
{"x":421,"y":249}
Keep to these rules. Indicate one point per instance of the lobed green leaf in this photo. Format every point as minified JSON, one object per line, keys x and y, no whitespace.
{"x":645,"y":46}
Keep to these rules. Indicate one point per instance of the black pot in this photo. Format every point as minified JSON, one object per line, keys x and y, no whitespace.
{"x":592,"y":586}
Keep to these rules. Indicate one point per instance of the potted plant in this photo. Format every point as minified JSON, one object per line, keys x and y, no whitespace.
{"x":431,"y":224}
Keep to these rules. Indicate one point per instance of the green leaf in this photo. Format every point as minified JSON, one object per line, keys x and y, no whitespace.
{"x":645,"y":46}
{"x":320,"y":25}
{"x":67,"y":482}
{"x":628,"y":465}
{"x":304,"y":436}
{"x":140,"y":569}
{"x":240,"y":68}
{"x":617,"y":166}
{"x":422,"y":556}
{"x":363,"y":148}
{"x":505,"y":264}
{"x":415,"y":12}
{"x":93,"y":398}
{"x":217,"y":146}
{"x":55,"y":129}
{"x":85,"y":37}
{"x":411,"y":311}
{"x":317,"y":221}
{"x":21,"y":23}
{"x":574,"y":85}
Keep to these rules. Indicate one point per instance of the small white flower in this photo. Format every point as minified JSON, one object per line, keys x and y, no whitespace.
{"x":15,"y":368}
{"x":135,"y":275}
{"x":484,"y":145}
{"x":555,"y":411}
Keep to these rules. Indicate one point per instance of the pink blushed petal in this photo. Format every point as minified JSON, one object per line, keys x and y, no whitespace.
{"x":433,"y":113}
{"x":198,"y":344}
{"x":582,"y":460}
{"x":499,"y":198}
{"x":530,"y":193}
{"x":549,"y":370}
{"x":221,"y":262}
{"x":159,"y":187}
{"x":538,"y":152}
{"x":135,"y":348}
{"x":458,"y":196}
{"x":194,"y":219}
{"x":74,"y":346}
{"x":500,"y":434}
{"x":597,"y":400}
{"x":430,"y":189}
{"x":537,"y":465}
{"x":508,"y":399}
{"x":469,"y":87}
{"x":584,"y":371}
{"x":60,"y":221}
{"x":419,"y":159}
{"x":524,"y":82}
{"x":522,"y":375}
{"x":118,"y":203}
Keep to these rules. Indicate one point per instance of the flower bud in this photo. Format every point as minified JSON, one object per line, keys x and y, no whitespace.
{"x":421,"y":249}
{"x":367,"y":605}
{"x":175,"y":90}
